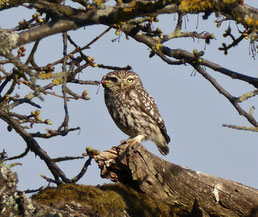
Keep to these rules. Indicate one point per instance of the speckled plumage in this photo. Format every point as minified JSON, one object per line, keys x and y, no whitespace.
{"x":133,"y":109}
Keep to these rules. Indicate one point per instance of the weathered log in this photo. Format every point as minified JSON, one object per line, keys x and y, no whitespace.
{"x":195,"y":193}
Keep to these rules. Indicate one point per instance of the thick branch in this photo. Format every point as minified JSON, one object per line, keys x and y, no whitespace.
{"x":133,"y":165}
{"x":73,"y":19}
{"x":184,"y":55}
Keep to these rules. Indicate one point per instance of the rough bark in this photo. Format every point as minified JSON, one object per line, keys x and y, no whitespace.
{"x":197,"y":193}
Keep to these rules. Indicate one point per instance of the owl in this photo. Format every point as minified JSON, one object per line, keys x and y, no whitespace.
{"x":133,"y":110}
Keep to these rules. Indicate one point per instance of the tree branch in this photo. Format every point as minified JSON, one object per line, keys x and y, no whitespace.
{"x":186,"y":190}
{"x":72,"y":18}
{"x":232,"y":99}
{"x":183,"y":55}
{"x":34,"y":147}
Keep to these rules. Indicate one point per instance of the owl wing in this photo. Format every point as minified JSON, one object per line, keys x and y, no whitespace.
{"x":147,"y":104}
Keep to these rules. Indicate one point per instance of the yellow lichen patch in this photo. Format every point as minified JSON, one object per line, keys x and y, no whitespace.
{"x":132,"y":6}
{"x":45,"y":75}
{"x":133,"y":3}
{"x":251,"y":22}
{"x":157,"y":47}
{"x":3,"y":3}
{"x":128,"y":10}
{"x":247,"y":96}
{"x":238,"y":19}
{"x":194,"y":6}
{"x":99,"y":2}
{"x":57,"y":81}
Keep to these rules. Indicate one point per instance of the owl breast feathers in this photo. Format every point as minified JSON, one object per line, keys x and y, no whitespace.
{"x":133,"y":110}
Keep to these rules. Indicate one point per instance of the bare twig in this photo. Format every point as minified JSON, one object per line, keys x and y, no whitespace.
{"x":6,"y":81}
{"x":19,"y":156}
{"x":83,"y":171}
{"x":17,"y":102}
{"x":53,"y":133}
{"x":60,"y":159}
{"x":77,"y":81}
{"x":114,"y":67}
{"x":66,"y":118}
{"x":235,"y":127}
{"x":232,"y":99}
{"x":30,"y":191}
{"x":77,"y":48}
{"x":49,"y":180}
{"x":30,"y":58}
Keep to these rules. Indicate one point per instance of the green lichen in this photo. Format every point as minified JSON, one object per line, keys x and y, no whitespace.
{"x":108,"y":200}
{"x":139,"y":204}
{"x":8,"y":41}
{"x":98,"y":201}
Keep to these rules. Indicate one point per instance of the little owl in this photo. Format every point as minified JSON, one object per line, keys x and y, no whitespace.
{"x":133,"y":109}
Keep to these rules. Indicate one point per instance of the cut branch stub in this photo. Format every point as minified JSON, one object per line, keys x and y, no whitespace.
{"x":133,"y":165}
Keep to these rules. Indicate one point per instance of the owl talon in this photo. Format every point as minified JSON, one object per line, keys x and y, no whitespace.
{"x":132,"y":141}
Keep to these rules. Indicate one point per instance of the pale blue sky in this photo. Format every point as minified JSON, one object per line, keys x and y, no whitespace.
{"x":192,"y":109}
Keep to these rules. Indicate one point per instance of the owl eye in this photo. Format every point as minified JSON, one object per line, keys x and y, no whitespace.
{"x":113,"y":79}
{"x":130,"y":80}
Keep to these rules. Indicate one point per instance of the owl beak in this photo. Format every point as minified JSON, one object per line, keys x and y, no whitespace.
{"x":105,"y":83}
{"x":122,"y":85}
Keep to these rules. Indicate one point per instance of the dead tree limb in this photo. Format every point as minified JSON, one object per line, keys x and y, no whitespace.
{"x":192,"y":191}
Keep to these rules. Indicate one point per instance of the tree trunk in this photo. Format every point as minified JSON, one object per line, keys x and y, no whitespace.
{"x":191,"y":192}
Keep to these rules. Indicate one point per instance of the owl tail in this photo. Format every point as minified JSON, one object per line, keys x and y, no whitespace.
{"x":163,"y":148}
{"x":162,"y":144}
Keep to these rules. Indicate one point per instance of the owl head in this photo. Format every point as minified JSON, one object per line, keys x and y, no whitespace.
{"x":121,"y":80}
